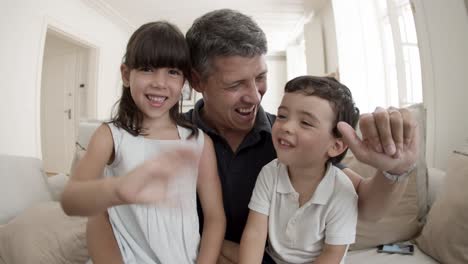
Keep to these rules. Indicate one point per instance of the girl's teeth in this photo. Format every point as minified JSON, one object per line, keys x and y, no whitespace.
{"x":158,"y":99}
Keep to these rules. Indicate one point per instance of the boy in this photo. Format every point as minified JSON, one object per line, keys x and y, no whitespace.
{"x":306,"y":205}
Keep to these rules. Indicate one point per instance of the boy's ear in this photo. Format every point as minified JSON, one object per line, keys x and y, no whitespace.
{"x":337,"y":148}
{"x":196,"y":81}
{"x":125,"y":73}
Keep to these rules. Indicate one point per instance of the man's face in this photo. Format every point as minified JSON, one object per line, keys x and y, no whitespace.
{"x":233,"y":91}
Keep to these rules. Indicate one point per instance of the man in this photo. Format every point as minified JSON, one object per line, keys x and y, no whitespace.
{"x":229,"y":68}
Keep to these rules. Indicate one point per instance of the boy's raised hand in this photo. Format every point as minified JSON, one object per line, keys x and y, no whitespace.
{"x":389,"y":139}
{"x":148,"y":183}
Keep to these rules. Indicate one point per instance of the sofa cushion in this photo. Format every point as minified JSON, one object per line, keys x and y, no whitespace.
{"x":44,"y":234}
{"x":23,"y":184}
{"x":445,"y":235}
{"x":371,"y":255}
{"x":403,"y":222}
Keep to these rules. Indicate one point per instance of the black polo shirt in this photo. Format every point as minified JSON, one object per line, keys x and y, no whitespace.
{"x":238,"y":170}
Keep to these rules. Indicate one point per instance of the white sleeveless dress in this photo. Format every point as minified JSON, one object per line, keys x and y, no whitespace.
{"x":162,"y":233}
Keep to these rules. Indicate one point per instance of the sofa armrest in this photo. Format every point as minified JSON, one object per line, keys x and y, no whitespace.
{"x":436,"y":180}
{"x":56,"y":185}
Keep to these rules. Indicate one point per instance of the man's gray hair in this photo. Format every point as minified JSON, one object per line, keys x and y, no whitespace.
{"x":223,"y":32}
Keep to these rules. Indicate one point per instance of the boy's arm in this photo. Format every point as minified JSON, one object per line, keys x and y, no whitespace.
{"x":389,"y":143}
{"x":209,"y":192}
{"x":253,"y":240}
{"x":331,"y":254}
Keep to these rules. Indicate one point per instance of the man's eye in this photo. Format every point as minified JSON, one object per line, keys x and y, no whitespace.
{"x":233,"y":86}
{"x":281,"y":116}
{"x":260,"y":78}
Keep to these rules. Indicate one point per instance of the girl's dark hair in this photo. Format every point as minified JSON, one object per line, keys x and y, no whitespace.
{"x":338,"y":95}
{"x":153,"y":45}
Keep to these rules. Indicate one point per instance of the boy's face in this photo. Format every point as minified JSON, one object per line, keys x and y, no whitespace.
{"x":302,"y":133}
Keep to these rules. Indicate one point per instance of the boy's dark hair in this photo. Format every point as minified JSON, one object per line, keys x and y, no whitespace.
{"x":153,"y":45}
{"x":223,"y":32}
{"x":337,"y":94}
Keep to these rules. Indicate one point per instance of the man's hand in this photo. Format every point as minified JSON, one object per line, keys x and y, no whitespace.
{"x":389,"y":139}
{"x":148,"y":183}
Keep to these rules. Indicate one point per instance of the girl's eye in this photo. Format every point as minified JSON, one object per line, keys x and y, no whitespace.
{"x":175,"y":72}
{"x":146,"y":69}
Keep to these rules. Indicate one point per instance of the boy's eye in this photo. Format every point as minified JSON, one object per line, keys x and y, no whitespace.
{"x":280,"y":116}
{"x":306,"y":123}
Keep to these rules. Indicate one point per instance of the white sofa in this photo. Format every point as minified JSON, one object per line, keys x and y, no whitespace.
{"x":34,"y":229}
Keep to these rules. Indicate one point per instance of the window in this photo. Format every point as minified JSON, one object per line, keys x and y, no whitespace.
{"x":378,"y":52}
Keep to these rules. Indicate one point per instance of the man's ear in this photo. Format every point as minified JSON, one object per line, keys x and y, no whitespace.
{"x":125,"y":73}
{"x":196,"y":81}
{"x":337,"y":148}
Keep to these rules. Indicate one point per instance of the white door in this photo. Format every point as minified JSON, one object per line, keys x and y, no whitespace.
{"x":59,"y":79}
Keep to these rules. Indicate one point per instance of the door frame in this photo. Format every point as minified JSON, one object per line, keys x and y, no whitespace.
{"x":81,"y":39}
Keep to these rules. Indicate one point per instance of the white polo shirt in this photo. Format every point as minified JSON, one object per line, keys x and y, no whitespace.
{"x":297,"y":235}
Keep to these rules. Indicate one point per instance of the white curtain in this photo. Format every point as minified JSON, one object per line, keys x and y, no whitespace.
{"x":360,"y":53}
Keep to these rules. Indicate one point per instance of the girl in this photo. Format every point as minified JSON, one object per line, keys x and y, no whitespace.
{"x":156,"y":161}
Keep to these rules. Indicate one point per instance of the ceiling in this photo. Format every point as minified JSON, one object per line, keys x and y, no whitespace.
{"x":282,"y":20}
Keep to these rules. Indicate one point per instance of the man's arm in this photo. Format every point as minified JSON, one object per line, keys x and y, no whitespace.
{"x":253,"y":238}
{"x":389,"y":143}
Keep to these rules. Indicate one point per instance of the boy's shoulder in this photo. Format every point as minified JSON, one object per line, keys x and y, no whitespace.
{"x":342,"y":183}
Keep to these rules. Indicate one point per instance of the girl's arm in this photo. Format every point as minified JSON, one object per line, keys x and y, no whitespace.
{"x":331,"y":254}
{"x":209,"y":192}
{"x":253,"y":240}
{"x":88,"y":193}
{"x":100,"y":240}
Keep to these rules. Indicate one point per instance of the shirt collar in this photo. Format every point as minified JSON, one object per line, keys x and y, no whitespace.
{"x":322,"y":193}
{"x":262,"y":122}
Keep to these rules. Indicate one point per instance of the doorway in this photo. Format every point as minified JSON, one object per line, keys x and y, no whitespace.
{"x":66,"y":98}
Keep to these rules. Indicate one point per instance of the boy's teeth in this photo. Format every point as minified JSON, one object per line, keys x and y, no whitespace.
{"x":282,"y":142}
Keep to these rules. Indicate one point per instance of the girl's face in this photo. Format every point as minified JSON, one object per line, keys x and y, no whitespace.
{"x":154,"y":90}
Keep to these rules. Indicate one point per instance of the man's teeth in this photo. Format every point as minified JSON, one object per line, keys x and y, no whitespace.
{"x":157,"y":99}
{"x":244,"y":110}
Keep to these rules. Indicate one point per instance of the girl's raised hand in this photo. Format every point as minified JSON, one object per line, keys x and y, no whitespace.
{"x":149,"y":182}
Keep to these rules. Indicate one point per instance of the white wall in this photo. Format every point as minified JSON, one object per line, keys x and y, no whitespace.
{"x":442,"y":28}
{"x":329,"y":38}
{"x":320,"y":42}
{"x":276,"y":79}
{"x":23,"y":27}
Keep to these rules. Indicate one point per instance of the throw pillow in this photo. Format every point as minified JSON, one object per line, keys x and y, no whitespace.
{"x":403,"y":221}
{"x":44,"y":234}
{"x":23,"y":184}
{"x":445,"y":235}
